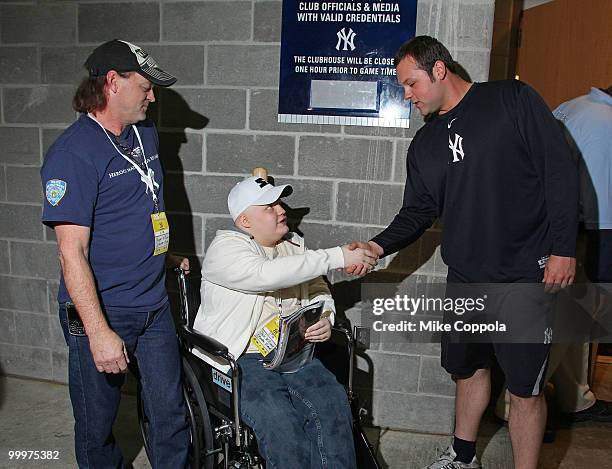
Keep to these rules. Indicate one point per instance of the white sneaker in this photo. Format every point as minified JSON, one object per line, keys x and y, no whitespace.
{"x":447,"y":461}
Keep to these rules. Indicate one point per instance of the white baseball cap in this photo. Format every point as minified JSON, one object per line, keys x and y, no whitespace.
{"x":254,"y":191}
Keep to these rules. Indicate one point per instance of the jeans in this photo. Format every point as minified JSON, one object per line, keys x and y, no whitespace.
{"x":301,"y":420}
{"x":150,"y":339}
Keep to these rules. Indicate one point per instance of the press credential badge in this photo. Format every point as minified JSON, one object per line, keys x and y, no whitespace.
{"x":266,"y":338}
{"x":161,"y":232}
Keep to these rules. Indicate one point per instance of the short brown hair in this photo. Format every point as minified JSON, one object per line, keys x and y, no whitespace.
{"x":426,"y":51}
{"x":90,"y":96}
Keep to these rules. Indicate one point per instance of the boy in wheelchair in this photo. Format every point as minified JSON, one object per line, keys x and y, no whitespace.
{"x":250,"y":276}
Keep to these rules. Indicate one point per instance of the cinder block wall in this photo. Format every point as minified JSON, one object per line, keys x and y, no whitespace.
{"x":216,"y":124}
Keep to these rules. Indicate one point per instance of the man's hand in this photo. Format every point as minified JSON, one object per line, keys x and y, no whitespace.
{"x":360,"y":269}
{"x":172,"y":260}
{"x":559,"y":273}
{"x":319,"y":331}
{"x":108,"y":351}
{"x":364,"y":258}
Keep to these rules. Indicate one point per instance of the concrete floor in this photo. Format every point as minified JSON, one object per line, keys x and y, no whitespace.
{"x":36,"y":415}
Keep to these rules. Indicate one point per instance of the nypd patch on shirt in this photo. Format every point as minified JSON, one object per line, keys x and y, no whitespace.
{"x":55,"y":190}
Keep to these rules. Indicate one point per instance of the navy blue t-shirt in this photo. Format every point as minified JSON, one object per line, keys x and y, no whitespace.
{"x":88,"y":183}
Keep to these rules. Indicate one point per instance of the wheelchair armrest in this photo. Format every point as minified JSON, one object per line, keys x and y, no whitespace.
{"x":208,"y":344}
{"x":340,"y":336}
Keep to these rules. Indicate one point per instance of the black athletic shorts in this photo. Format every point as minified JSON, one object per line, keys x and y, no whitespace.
{"x":523,"y":356}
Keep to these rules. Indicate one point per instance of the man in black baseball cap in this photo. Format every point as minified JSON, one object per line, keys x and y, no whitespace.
{"x":123,"y":56}
{"x":103,"y":192}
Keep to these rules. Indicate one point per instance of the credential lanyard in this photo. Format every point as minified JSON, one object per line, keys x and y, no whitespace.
{"x":277,"y":294}
{"x":147,"y":178}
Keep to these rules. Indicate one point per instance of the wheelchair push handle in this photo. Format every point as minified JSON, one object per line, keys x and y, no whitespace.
{"x":180,"y":272}
{"x":182,"y":284}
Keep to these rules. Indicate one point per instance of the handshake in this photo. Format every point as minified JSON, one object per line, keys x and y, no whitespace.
{"x":360,"y":258}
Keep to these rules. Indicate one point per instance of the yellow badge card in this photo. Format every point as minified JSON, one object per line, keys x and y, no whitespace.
{"x":266,"y":338}
{"x":161,"y":232}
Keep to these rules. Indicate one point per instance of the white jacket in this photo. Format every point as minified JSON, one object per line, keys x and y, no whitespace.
{"x":237,"y":275}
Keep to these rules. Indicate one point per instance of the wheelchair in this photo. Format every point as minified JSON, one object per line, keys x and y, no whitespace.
{"x":219,"y":439}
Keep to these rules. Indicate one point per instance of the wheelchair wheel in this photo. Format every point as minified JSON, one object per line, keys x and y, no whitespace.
{"x":202,"y":442}
{"x":200,"y":428}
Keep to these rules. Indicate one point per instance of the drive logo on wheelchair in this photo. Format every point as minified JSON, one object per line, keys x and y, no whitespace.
{"x":221,"y":380}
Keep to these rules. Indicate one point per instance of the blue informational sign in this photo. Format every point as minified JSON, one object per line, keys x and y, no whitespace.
{"x":337,"y":62}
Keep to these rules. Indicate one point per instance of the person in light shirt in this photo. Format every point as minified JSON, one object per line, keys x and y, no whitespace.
{"x":250,"y":277}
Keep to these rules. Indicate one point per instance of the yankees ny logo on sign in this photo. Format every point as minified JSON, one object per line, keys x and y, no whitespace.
{"x":346,"y":38}
{"x":456,"y":147}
